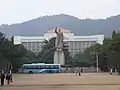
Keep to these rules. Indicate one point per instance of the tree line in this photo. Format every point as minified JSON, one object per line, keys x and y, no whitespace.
{"x":16,"y":55}
{"x":13,"y":55}
{"x":108,"y":53}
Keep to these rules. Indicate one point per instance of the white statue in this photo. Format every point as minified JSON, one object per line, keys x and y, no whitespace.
{"x":59,"y":54}
{"x":59,"y":39}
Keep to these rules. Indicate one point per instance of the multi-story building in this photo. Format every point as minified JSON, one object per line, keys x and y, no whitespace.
{"x":76,"y":43}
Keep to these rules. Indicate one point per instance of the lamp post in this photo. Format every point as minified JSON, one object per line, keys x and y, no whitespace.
{"x":2,"y":38}
{"x":97,"y":62}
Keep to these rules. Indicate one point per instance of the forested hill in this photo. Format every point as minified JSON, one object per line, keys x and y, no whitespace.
{"x":79,"y":26}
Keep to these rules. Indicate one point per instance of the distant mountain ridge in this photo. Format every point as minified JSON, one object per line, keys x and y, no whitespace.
{"x":37,"y":27}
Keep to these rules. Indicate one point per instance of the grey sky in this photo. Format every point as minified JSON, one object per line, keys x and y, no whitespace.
{"x":15,"y":11}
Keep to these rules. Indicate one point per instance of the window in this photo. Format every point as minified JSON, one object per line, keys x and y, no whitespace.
{"x":36,"y":67}
{"x":56,"y":67}
{"x":41,"y":67}
{"x":28,"y":67}
{"x":47,"y":67}
{"x":52,"y":67}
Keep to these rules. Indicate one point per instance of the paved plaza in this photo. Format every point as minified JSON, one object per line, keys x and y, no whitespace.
{"x":64,"y":82}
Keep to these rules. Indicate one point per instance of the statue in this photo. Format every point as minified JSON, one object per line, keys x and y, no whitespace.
{"x":59,"y":39}
{"x":59,"y":54}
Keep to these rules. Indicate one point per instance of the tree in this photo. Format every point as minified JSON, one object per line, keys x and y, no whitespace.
{"x":114,"y":50}
{"x":47,"y":53}
{"x":108,"y":53}
{"x":82,"y":59}
{"x":14,"y":55}
{"x":89,"y":57}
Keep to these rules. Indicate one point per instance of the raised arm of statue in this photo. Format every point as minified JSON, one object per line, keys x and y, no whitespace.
{"x":56,"y":30}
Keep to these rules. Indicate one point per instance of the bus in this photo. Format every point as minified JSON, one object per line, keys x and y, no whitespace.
{"x":40,"y":68}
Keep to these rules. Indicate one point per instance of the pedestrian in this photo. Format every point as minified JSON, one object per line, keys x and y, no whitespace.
{"x":116,"y":71}
{"x":8,"y":77}
{"x":76,"y":71}
{"x":11,"y":76}
{"x":79,"y":72}
{"x":2,"y":77}
{"x":111,"y":71}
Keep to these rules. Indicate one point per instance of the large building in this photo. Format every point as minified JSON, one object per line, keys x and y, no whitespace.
{"x":76,"y":43}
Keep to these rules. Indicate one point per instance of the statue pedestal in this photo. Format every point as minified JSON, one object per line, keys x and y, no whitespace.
{"x":59,"y":57}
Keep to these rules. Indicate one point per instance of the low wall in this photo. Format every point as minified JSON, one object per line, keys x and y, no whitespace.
{"x":85,"y":69}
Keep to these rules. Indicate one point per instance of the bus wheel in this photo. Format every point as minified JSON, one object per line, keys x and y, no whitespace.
{"x":30,"y":72}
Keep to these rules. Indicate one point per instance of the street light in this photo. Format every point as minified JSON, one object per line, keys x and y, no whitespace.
{"x":97,"y":62}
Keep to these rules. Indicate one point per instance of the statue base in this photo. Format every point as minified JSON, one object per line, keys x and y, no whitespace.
{"x":59,"y":57}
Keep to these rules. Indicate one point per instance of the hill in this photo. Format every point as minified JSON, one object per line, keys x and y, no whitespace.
{"x":79,"y":26}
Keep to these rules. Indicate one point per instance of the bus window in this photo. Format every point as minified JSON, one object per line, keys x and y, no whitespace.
{"x":36,"y":67}
{"x":42,"y":67}
{"x":56,"y":67}
{"x":30,"y":67}
{"x":47,"y":66}
{"x":39,"y":67}
{"x":51,"y":66}
{"x":23,"y":67}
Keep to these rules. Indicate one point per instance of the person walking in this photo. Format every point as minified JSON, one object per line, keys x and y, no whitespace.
{"x":11,"y":76}
{"x":76,"y":71}
{"x":2,"y":77}
{"x":79,"y":72}
{"x":111,"y":71}
{"x":8,"y":77}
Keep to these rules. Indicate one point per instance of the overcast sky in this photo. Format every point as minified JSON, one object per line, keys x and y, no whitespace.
{"x":16,"y":11}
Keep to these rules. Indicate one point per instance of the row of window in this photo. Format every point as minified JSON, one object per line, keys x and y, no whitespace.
{"x":82,"y":43}
{"x":42,"y":67}
{"x":75,"y":46}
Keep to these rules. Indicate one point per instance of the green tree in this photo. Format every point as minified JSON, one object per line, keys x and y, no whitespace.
{"x":82,"y":59}
{"x":47,"y":53}
{"x":14,"y":55}
{"x":114,"y":50}
{"x":108,"y":53}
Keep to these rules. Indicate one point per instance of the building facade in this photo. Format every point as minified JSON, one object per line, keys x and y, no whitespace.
{"x":75,"y":43}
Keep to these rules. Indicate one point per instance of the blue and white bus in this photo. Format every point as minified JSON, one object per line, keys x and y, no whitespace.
{"x":40,"y":68}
